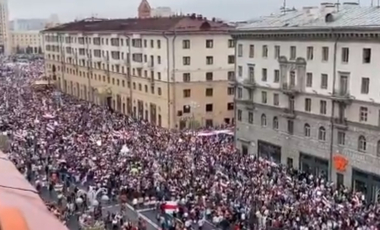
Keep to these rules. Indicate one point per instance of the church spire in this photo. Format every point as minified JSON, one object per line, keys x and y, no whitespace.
{"x":144,"y":10}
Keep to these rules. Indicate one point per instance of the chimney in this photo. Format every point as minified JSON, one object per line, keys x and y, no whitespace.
{"x":193,"y":16}
{"x":213,"y":19}
{"x":199,"y":16}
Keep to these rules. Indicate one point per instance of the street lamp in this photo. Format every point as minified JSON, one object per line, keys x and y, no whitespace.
{"x":192,"y":106}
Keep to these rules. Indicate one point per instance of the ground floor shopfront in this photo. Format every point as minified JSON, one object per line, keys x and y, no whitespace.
{"x":342,"y":173}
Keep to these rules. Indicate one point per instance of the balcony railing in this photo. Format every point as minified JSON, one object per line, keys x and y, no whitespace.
{"x":341,"y":123}
{"x":249,"y":83}
{"x":289,"y":89}
{"x":341,"y":96}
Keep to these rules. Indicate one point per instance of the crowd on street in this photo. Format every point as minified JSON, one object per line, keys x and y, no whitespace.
{"x":93,"y":156}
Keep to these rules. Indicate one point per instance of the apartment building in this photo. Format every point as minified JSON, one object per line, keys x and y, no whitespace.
{"x":26,"y":42}
{"x":175,"y":72}
{"x":307,"y":92}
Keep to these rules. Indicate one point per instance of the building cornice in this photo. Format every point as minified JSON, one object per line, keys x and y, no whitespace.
{"x":308,"y":34}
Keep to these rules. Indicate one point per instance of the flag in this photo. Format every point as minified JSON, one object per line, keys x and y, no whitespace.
{"x":170,"y":207}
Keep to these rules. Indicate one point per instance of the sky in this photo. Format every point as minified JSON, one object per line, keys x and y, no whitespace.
{"x":68,"y":10}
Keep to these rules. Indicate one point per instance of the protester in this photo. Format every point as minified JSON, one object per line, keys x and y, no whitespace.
{"x":76,"y":148}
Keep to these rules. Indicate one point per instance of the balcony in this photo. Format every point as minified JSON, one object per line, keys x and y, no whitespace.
{"x":288,"y":113}
{"x":342,"y":96}
{"x":289,"y":89}
{"x":341,"y":123}
{"x":150,"y":65}
{"x":248,"y":83}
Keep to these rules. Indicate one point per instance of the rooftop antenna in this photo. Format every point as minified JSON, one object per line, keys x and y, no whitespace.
{"x":284,"y":7}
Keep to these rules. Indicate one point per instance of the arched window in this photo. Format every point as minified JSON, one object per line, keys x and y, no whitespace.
{"x":378,"y":149}
{"x":307,"y":130}
{"x":322,"y":134}
{"x":263,"y":120}
{"x":275,"y":123}
{"x":362,"y":145}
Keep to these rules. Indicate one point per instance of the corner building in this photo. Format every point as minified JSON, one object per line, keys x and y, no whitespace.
{"x":307,"y":92}
{"x":175,"y":72}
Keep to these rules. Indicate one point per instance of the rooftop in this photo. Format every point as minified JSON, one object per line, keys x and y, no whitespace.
{"x":328,"y":15}
{"x":188,"y":23}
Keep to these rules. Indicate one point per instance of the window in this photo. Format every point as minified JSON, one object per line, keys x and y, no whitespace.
{"x":251,"y":51}
{"x":240,"y":93}
{"x":275,"y":123}
{"x":250,"y":117}
{"x":186,"y":60}
{"x":230,"y":106}
{"x":209,"y":76}
{"x":186,"y":77}
{"x":239,"y":114}
{"x":309,"y":79}
{"x":345,"y":54}
{"x":362,"y":145}
{"x":230,"y":91}
{"x":186,"y":109}
{"x":277,"y":52}
{"x":209,"y":60}
{"x":276,"y":76}
{"x":231,"y":43}
{"x":231,"y":75}
{"x":240,"y":70}
{"x":265,"y":51}
{"x":366,"y":55}
{"x":263,"y":120}
{"x":378,"y":149}
{"x":186,"y":44}
{"x":323,"y":107}
{"x":186,"y":93}
{"x":310,"y":53}
{"x":324,"y":81}
{"x":231,"y":59}
{"x":363,"y":115}
{"x":209,"y":92}
{"x":325,"y":53}
{"x":292,"y":78}
{"x":264,"y":98}
{"x":290,"y":126}
{"x":341,"y":138}
{"x":308,"y":105}
{"x":321,"y":134}
{"x":240,"y":50}
{"x":365,"y":85}
{"x":276,"y":100}
{"x":251,"y":73}
{"x":209,"y":43}
{"x":264,"y":76}
{"x":159,"y":44}
{"x":293,"y":53}
{"x":209,"y":107}
{"x":306,"y":130}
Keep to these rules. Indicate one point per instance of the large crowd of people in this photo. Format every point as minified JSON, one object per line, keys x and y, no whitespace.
{"x":70,"y":144}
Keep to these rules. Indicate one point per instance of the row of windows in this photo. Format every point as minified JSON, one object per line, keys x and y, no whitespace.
{"x":366,"y":53}
{"x":186,"y":60}
{"x":208,"y":108}
{"x":362,"y":142}
{"x":116,"y":81}
{"x":139,"y":43}
{"x":209,"y":92}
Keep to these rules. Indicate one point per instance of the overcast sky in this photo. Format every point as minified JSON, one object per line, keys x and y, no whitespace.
{"x":225,"y":9}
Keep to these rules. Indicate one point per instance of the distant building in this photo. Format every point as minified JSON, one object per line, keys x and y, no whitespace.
{"x":4,"y":28}
{"x":162,"y":12}
{"x":28,"y":24}
{"x":26,"y":42}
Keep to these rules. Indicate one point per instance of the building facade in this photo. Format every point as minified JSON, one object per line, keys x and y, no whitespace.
{"x":5,"y":43}
{"x":29,"y":42}
{"x":28,"y":24}
{"x":306,"y":92}
{"x":174,"y":72}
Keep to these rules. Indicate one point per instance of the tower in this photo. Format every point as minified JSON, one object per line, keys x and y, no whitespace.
{"x":144,"y":10}
{"x":5,"y":42}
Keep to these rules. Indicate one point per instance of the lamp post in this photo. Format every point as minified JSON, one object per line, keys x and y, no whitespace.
{"x":193,"y":106}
